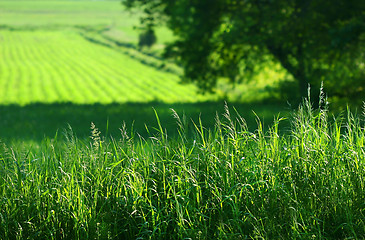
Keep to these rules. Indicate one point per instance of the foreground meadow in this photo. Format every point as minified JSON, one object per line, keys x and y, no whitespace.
{"x":224,"y":183}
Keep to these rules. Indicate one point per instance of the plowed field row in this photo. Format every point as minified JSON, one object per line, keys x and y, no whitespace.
{"x":61,"y":66}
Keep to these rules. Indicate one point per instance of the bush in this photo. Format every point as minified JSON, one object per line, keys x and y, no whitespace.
{"x":147,"y":38}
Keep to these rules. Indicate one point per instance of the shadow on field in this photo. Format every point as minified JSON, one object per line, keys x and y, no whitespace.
{"x":36,"y":121}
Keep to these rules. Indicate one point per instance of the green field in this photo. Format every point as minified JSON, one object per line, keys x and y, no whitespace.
{"x":59,"y":58}
{"x":47,"y":57}
{"x":51,"y":78}
{"x":61,"y":66}
{"x":60,"y":29}
{"x":51,"y":53}
{"x":60,"y":14}
{"x":99,"y":140}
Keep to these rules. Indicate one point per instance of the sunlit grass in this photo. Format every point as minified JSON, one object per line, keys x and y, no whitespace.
{"x":60,"y":66}
{"x":69,"y":13}
{"x":109,"y":21}
{"x":223,"y":183}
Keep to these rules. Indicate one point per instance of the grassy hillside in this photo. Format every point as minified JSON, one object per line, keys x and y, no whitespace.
{"x":108,"y":21}
{"x":61,"y":66}
{"x":63,"y":13}
{"x":73,"y":62}
{"x":80,"y":52}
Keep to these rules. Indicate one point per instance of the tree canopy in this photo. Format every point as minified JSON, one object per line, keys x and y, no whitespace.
{"x":315,"y":41}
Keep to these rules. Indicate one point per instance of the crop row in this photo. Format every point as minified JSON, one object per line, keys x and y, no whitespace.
{"x":60,"y":66}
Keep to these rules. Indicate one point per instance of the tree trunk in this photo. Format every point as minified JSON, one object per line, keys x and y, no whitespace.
{"x":303,"y":86}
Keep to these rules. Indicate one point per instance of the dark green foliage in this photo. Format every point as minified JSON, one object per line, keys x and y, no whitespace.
{"x":147,"y":38}
{"x":313,"y":40}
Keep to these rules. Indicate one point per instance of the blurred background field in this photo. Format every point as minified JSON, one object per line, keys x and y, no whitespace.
{"x":73,"y":62}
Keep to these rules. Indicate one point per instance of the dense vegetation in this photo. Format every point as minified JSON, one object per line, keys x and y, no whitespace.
{"x":314,"y":41}
{"x":202,"y":171}
{"x":226,"y":183}
{"x":78,"y":61}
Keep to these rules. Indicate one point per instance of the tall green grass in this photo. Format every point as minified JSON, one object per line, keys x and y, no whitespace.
{"x":224,"y":183}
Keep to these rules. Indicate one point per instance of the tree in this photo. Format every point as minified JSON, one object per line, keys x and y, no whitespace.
{"x":315,"y":41}
{"x":147,"y":38}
